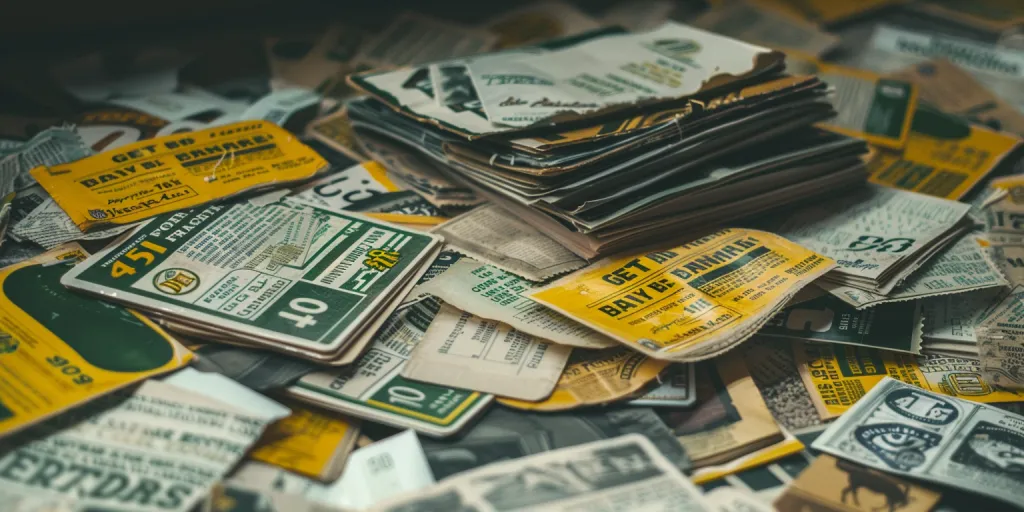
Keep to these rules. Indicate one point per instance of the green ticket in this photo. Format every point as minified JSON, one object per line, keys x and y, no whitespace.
{"x":374,"y":388}
{"x":288,"y":274}
{"x":59,"y":350}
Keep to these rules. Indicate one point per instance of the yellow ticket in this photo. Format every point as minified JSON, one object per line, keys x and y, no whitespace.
{"x":837,"y":376}
{"x":689,"y":302}
{"x":309,"y":442}
{"x":945,"y":156}
{"x":140,"y":180}
{"x":593,"y":377}
{"x":59,"y":349}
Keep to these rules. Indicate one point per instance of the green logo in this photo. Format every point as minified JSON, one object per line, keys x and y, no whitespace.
{"x":176,"y":281}
{"x":681,"y":50}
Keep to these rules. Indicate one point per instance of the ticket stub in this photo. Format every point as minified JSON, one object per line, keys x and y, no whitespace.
{"x":688,"y":302}
{"x":593,"y":377}
{"x":952,"y":89}
{"x":374,"y":388}
{"x":492,"y":293}
{"x":715,"y":438}
{"x":147,"y":178}
{"x":461,"y":349}
{"x":676,"y":387}
{"x":896,"y":326}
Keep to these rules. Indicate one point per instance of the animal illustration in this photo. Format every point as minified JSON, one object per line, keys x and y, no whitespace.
{"x":896,"y":494}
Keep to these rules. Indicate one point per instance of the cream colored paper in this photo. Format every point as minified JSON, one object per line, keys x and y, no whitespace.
{"x":469,"y":352}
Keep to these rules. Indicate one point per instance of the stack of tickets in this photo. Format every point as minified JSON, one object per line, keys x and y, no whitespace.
{"x":878,"y":236}
{"x":612,"y":140}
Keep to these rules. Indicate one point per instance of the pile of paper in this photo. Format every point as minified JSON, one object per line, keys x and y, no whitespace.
{"x":878,"y":237}
{"x":951,"y":322}
{"x":732,"y":256}
{"x":611,"y":140}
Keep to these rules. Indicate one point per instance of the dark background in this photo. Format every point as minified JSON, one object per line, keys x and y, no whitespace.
{"x":28,"y":26}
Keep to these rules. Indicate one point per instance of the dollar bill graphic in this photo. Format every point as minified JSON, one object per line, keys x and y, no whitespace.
{"x":999,"y":338}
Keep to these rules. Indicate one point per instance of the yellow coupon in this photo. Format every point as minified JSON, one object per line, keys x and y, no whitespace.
{"x":837,"y":376}
{"x":828,"y":11}
{"x":309,"y":442}
{"x":60,"y":349}
{"x":140,"y":180}
{"x":593,"y":377}
{"x":945,"y":156}
{"x":868,"y":106}
{"x":692,"y":301}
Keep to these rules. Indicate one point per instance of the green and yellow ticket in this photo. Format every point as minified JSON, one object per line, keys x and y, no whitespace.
{"x":59,"y":349}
